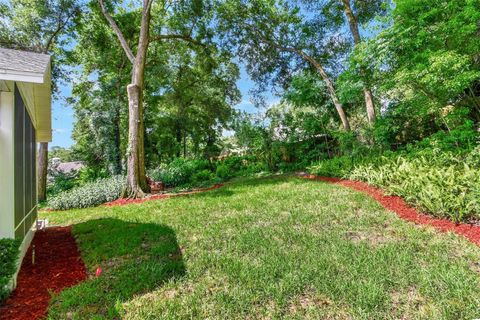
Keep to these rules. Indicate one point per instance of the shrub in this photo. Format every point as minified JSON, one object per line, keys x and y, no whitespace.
{"x":203,"y":176}
{"x":444,"y":186}
{"x":438,"y":174}
{"x":8,"y":264}
{"x":290,"y":167}
{"x":239,"y":166}
{"x":179,"y":172}
{"x":335,"y":167}
{"x":223,"y":172}
{"x":235,"y":164}
{"x":60,"y":182}
{"x":89,"y":195}
{"x":463,"y":137}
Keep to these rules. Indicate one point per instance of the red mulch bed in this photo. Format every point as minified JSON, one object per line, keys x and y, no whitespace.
{"x":58,"y":265}
{"x":125,"y":201}
{"x":406,"y":212}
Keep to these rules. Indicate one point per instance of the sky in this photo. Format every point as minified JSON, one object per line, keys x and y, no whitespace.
{"x":63,"y":114}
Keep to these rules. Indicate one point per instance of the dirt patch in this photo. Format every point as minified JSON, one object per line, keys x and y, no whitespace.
{"x":115,"y":262}
{"x":475,"y":266}
{"x":58,"y":265}
{"x":406,"y":212}
{"x":310,"y":305}
{"x":409,"y":304}
{"x":374,"y":239}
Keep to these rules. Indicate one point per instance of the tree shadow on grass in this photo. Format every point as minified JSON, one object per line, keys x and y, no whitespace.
{"x":135,"y":258}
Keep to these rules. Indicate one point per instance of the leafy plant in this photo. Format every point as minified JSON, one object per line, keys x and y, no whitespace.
{"x":448,"y":188}
{"x":8,"y":263}
{"x":179,"y":172}
{"x":89,"y":195}
{"x":60,"y":182}
{"x":200,"y":177}
{"x":240,"y":166}
{"x":223,"y":172}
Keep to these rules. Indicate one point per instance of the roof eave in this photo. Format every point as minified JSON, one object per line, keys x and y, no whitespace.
{"x":21,"y":76}
{"x":43,"y":107}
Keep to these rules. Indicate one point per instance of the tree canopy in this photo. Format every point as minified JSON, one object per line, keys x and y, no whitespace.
{"x":348,"y":74}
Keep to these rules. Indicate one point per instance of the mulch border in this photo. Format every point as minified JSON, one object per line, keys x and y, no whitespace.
{"x":126,"y":201}
{"x":405,"y":211}
{"x":58,"y":265}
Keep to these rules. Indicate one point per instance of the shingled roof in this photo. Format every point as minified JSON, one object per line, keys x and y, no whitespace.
{"x":30,"y":72}
{"x":16,"y":63}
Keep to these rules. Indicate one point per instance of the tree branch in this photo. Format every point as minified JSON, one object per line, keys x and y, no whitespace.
{"x":186,"y":38}
{"x":118,"y":32}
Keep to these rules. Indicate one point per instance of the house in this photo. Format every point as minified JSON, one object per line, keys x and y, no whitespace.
{"x":25,"y":119}
{"x":67,"y":168}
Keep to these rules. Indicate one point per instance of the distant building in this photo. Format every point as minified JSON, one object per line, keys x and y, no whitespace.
{"x":67,"y":168}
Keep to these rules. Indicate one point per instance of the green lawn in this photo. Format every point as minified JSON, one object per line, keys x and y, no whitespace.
{"x":270,"y":248}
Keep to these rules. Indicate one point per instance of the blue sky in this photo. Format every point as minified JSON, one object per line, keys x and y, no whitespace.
{"x":63,"y":115}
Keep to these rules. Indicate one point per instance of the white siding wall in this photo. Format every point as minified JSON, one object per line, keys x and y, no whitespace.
{"x":6,"y":165}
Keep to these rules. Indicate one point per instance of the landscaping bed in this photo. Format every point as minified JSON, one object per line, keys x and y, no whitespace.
{"x":406,"y":212}
{"x":125,"y":201}
{"x":55,"y":265}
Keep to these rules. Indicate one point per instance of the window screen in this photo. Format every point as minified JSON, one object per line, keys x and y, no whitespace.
{"x":25,"y":169}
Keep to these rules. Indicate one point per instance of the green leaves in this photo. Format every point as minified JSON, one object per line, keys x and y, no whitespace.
{"x":442,"y":185}
{"x":8,"y":264}
{"x":89,"y":195}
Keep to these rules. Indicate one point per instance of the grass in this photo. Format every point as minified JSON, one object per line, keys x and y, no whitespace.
{"x":272,"y":248}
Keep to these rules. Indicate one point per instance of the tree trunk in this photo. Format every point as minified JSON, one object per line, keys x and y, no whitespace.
{"x":178,"y":139}
{"x":184,"y":144}
{"x":369,"y":104}
{"x":117,"y":165}
{"x":352,"y":22}
{"x":136,"y":177}
{"x":331,"y":90}
{"x":334,"y":97}
{"x":142,"y":174}
{"x":42,"y":171}
{"x":133,"y":189}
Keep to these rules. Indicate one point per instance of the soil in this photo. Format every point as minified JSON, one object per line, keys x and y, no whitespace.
{"x":406,"y":212}
{"x":57,"y":265}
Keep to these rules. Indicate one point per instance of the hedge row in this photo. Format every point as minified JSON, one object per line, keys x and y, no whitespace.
{"x":444,"y":184}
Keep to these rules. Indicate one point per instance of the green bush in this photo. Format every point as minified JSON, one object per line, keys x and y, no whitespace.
{"x":203,"y":176}
{"x":335,"y":167}
{"x":237,"y":166}
{"x":179,"y":172}
{"x":60,"y":182}
{"x":463,"y":137}
{"x":195,"y":173}
{"x":444,"y":185}
{"x":223,"y":172}
{"x":290,"y":167}
{"x":254,"y":167}
{"x":89,"y":195}
{"x":8,"y":264}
